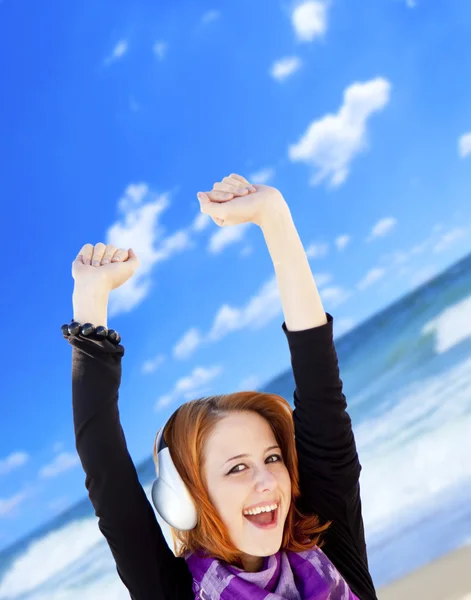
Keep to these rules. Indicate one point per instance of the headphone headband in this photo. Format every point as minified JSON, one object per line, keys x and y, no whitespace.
{"x":170,"y":496}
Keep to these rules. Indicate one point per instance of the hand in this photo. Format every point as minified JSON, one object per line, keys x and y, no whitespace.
{"x":234,"y":200}
{"x":104,"y":267}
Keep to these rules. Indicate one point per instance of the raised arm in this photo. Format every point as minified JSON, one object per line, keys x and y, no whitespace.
{"x":324,"y":437}
{"x":145,"y":564}
{"x":326,"y":448}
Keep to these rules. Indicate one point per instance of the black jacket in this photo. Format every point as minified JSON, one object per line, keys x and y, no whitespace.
{"x":328,"y":465}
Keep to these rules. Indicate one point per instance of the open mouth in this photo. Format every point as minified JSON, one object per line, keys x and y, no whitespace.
{"x":264,"y":520}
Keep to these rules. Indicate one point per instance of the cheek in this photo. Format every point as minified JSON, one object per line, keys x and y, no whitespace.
{"x":285,"y":481}
{"x":227,"y":499}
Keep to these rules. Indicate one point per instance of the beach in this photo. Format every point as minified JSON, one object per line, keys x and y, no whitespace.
{"x":447,"y":578}
{"x":407,"y":373}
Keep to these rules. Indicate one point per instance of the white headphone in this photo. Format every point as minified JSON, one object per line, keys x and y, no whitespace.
{"x":170,"y":496}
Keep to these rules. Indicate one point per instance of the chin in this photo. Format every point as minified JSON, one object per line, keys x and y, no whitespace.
{"x":261,"y":541}
{"x":262,"y":547}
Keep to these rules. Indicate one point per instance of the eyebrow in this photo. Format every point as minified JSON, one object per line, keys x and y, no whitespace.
{"x":245,"y":455}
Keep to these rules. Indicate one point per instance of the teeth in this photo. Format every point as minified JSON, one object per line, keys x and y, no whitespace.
{"x":260,"y":509}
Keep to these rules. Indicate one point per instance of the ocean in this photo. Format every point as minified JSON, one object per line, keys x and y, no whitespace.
{"x":407,"y":378}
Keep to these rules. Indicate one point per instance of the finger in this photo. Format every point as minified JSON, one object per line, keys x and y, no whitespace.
{"x":98,"y":252}
{"x":234,"y":188}
{"x":108,"y":254}
{"x":132,"y":261}
{"x":213,"y":209}
{"x":220,"y":196}
{"x":86,"y":252}
{"x":132,"y":256}
{"x":240,"y":182}
{"x":120,"y":255}
{"x":239,"y":178}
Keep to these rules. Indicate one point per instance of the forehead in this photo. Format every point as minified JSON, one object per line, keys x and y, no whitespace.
{"x":239,"y":431}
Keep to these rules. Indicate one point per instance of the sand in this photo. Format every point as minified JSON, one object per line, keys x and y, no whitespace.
{"x":447,"y":578}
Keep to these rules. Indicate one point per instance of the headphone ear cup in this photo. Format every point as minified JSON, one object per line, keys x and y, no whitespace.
{"x":171,"y":497}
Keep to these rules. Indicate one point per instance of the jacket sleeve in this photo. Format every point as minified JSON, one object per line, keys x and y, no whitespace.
{"x":329,"y":467}
{"x":145,"y":563}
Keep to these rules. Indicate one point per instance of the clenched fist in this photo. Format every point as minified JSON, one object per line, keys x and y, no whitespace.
{"x":104,"y":267}
{"x":234,"y":200}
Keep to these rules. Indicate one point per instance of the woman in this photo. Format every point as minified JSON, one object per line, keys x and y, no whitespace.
{"x":270,"y":487}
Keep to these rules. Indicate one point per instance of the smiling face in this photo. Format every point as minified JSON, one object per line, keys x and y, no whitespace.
{"x":246,"y":477}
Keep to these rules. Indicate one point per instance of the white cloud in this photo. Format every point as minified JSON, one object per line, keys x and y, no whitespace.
{"x":342,"y":326}
{"x":61,"y":463}
{"x":13,"y":461}
{"x":258,"y":311}
{"x":342,"y":242}
{"x":118,"y":52}
{"x":225,"y":236}
{"x":58,"y":446}
{"x":334,"y":295}
{"x":382,"y":228}
{"x":401,"y":263}
{"x":399,"y":257}
{"x":422,"y":275}
{"x":160,"y":49}
{"x":263,"y":176}
{"x":177,"y":242}
{"x":371,"y":277}
{"x":8,"y":505}
{"x":310,"y":20}
{"x":411,"y":3}
{"x":190,"y":387}
{"x":59,"y":504}
{"x":188,"y":344}
{"x":449,"y":238}
{"x":330,"y":144}
{"x":285,"y":67}
{"x":246,"y":251}
{"x":201,"y":222}
{"x":139,"y":229}
{"x":153,"y":364}
{"x":210,"y":16}
{"x":317,"y":250}
{"x":249,"y":383}
{"x":322,"y":279}
{"x":464,"y":145}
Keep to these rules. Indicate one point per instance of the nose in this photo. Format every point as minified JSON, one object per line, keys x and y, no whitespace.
{"x":265,"y":481}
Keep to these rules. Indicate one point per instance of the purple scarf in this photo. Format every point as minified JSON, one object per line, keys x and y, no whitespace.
{"x":308,"y":575}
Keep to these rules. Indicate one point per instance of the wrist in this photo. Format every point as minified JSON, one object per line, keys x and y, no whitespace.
{"x":90,"y":304}
{"x":275,"y":223}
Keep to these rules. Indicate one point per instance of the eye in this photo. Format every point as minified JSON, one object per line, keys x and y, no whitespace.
{"x":272,"y":458}
{"x":236,"y":469}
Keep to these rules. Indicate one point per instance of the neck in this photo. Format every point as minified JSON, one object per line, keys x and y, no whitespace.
{"x":251,"y":564}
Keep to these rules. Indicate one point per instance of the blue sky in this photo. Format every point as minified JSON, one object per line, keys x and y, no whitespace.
{"x":113,"y":116}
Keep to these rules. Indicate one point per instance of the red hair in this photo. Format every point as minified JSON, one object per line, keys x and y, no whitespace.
{"x":193,"y":423}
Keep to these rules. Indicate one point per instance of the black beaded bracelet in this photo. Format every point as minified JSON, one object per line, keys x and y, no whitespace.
{"x":87,"y":329}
